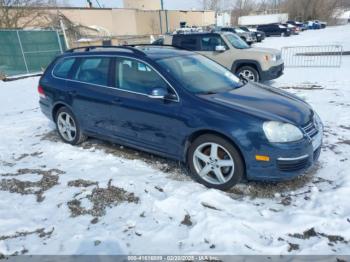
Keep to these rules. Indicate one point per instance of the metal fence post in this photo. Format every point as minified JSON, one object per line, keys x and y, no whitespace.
{"x":59,"y":41}
{"x":24,"y":58}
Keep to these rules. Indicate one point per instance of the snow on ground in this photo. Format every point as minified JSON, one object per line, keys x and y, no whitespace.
{"x":335,"y":35}
{"x":99,"y":198}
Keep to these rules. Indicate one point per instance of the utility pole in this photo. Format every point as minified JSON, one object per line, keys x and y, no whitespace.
{"x":64,"y":33}
{"x":162,"y":4}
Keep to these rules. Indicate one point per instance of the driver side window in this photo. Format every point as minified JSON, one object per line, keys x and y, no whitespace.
{"x":135,"y":76}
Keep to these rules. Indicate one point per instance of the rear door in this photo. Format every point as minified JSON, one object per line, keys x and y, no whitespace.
{"x":91,"y":93}
{"x":276,"y":30}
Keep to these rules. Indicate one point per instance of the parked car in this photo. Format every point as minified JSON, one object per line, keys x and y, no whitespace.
{"x":301,"y":26}
{"x":323,"y":25}
{"x":260,"y":35}
{"x":184,"y":106}
{"x":313,"y":25}
{"x":228,"y":49}
{"x":293,"y":29}
{"x":248,"y":37}
{"x":188,"y":29}
{"x":274,"y":30}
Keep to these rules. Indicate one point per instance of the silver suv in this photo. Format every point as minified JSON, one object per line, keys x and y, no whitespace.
{"x":228,"y":49}
{"x":248,"y":37}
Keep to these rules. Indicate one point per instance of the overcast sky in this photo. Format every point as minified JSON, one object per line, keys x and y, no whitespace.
{"x":168,"y":4}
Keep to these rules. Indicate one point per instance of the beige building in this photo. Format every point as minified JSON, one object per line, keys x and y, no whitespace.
{"x":121,"y":22}
{"x":143,"y":4}
{"x":117,"y":23}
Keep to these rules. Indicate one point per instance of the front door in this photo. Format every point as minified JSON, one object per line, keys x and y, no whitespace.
{"x":208,"y":44}
{"x":137,"y":117}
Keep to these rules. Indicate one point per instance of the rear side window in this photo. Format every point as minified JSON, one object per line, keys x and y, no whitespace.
{"x":93,"y":70}
{"x":189,"y":43}
{"x":63,"y":68}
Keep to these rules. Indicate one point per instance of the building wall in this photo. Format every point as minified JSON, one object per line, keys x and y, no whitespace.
{"x":192,"y":18}
{"x":143,"y":4}
{"x":132,"y":22}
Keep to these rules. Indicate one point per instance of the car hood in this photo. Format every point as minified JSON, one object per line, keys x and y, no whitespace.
{"x":265,"y":102}
{"x":263,"y":51}
{"x":251,"y":34}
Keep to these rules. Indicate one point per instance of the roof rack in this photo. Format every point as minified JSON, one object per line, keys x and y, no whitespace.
{"x":160,"y":45}
{"x":91,"y":48}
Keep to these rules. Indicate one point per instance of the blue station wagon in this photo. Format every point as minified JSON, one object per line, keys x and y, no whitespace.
{"x":181,"y":105}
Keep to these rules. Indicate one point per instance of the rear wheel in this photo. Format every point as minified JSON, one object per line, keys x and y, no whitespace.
{"x":249,"y":73}
{"x":215,"y":162}
{"x":68,"y":127}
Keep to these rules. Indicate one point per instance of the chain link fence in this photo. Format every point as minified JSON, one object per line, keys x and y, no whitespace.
{"x":313,"y":56}
{"x":28,"y":51}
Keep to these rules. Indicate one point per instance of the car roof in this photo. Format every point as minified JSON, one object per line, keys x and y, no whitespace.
{"x":150,"y":51}
{"x":198,"y":34}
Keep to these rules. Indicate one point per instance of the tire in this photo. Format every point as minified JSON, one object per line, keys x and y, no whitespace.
{"x":248,"y":73}
{"x":68,"y":127}
{"x":221,"y":170}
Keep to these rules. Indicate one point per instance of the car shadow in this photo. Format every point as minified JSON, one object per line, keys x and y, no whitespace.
{"x":177,"y":170}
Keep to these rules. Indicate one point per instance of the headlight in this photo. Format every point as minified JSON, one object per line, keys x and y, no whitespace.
{"x":278,"y":132}
{"x":273,"y":57}
{"x":318,"y":121}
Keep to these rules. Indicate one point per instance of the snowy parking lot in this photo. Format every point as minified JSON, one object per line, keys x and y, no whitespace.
{"x":100,"y":198}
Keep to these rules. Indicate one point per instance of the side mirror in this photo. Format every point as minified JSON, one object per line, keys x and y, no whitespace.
{"x":220,"y":48}
{"x":159,"y":93}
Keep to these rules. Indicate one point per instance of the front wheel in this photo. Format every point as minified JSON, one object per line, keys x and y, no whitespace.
{"x":249,"y":73}
{"x":214,"y":162}
{"x":68,"y":127}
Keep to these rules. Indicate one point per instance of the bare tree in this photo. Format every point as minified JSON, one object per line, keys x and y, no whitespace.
{"x":22,"y":13}
{"x":214,"y":5}
{"x":310,"y":9}
{"x":241,"y":8}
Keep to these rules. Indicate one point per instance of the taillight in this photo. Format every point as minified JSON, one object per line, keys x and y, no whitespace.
{"x":41,"y":92}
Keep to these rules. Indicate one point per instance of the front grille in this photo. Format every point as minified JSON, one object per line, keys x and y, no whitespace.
{"x":293,"y":165}
{"x":310,"y":128}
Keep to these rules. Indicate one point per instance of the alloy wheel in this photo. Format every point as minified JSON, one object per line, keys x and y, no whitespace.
{"x":247,"y":74}
{"x":66,"y":126}
{"x":213,"y":163}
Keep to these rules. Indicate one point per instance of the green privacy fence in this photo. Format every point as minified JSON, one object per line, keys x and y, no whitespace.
{"x":28,"y":51}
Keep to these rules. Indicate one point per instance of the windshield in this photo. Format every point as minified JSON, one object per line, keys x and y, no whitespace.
{"x":239,"y":30}
{"x":199,"y":74}
{"x":236,"y":41}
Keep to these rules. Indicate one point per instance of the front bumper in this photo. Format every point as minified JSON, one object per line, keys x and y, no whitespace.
{"x":273,"y":73}
{"x":287,"y":161}
{"x":251,"y":40}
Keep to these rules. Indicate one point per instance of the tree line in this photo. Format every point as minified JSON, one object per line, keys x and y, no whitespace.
{"x":302,"y":10}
